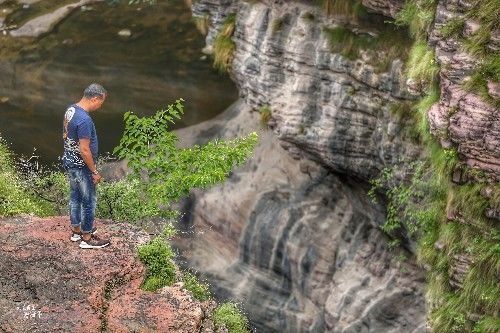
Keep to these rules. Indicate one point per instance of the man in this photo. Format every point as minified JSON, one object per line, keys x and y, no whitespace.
{"x":79,"y":159}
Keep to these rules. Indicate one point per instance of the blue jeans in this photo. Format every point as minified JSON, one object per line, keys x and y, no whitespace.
{"x":82,"y":200}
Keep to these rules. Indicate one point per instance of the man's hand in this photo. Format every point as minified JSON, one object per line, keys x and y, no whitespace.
{"x":96,"y":178}
{"x":87,"y":158}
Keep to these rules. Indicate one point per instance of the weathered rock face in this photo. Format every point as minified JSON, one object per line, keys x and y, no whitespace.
{"x":297,"y":245}
{"x":49,"y":284}
{"x":463,"y":119}
{"x":333,"y":109}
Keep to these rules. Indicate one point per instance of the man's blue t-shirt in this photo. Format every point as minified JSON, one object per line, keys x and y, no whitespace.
{"x":77,"y":125}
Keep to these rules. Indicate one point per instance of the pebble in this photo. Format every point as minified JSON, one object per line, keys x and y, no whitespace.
{"x":125,"y":33}
{"x":86,"y":8}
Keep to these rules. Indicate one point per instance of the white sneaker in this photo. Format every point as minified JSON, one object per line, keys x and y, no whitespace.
{"x":94,"y":243}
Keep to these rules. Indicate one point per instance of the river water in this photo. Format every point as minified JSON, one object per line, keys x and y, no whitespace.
{"x":160,"y":62}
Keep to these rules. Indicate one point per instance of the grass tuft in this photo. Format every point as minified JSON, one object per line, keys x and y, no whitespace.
{"x":453,"y":27}
{"x":228,"y":315}
{"x":382,"y":48}
{"x":202,"y":23}
{"x":489,"y":70}
{"x":198,"y":289}
{"x":421,"y":109}
{"x":278,"y":24}
{"x":158,"y":257}
{"x":422,"y":66}
{"x":265,"y":115}
{"x":476,"y":45}
{"x":418,"y":15}
{"x":224,"y":46}
{"x":487,"y":324}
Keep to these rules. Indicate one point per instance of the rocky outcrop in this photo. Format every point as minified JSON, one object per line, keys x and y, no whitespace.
{"x":45,"y":23}
{"x":49,"y":284}
{"x":327,"y":107}
{"x":463,"y":119}
{"x":297,"y":245}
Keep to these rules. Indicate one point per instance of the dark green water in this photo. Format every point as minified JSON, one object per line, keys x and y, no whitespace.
{"x":159,"y":63}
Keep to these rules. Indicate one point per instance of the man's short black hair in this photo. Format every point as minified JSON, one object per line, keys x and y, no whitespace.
{"x":94,"y":90}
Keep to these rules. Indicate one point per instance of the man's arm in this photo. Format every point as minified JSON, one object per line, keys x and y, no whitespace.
{"x":87,"y":158}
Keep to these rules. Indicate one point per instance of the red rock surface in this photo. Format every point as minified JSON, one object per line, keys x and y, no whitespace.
{"x":463,"y":119}
{"x":49,"y":284}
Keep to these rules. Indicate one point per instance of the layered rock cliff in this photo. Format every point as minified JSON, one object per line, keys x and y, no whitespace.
{"x":334,"y":109}
{"x":293,"y":235}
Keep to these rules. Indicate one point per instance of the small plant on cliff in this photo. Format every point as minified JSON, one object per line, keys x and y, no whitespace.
{"x":158,"y":257}
{"x":224,"y":46}
{"x":202,"y":23}
{"x":265,"y":115}
{"x":198,"y":289}
{"x":228,"y":315}
{"x":278,"y":24}
{"x":485,"y":13}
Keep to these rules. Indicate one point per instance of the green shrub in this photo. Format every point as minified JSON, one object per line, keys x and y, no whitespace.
{"x":199,"y":290}
{"x":126,"y":200}
{"x":162,"y":173}
{"x":158,"y":257}
{"x":15,"y":196}
{"x":265,"y":115}
{"x":14,"y":199}
{"x":230,"y":316}
{"x":224,"y":46}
